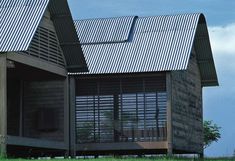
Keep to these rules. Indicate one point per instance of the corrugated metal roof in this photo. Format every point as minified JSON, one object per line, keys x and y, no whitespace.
{"x":19,"y":22}
{"x":160,"y":43}
{"x":95,"y":31}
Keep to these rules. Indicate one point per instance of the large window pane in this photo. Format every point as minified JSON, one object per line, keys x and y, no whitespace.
{"x":121,"y":110}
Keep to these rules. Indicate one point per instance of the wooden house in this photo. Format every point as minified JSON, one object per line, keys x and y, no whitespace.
{"x":143,"y":91}
{"x":136,"y":90}
{"x":38,"y":46}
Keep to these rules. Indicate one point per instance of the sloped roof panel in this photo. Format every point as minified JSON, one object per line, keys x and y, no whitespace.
{"x":160,"y":43}
{"x":95,"y":31}
{"x":19,"y":21}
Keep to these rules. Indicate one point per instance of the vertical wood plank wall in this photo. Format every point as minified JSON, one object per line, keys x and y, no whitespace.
{"x":3,"y":103}
{"x":187,"y":108}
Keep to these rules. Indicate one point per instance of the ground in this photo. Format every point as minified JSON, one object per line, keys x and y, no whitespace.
{"x":128,"y":159}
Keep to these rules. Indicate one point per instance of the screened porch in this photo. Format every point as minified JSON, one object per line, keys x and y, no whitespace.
{"x":121,"y":109}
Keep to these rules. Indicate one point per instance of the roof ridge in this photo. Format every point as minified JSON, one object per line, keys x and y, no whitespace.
{"x":117,"y":17}
{"x":105,"y":18}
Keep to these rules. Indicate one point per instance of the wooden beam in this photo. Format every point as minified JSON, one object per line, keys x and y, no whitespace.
{"x":37,"y":143}
{"x":36,"y":63}
{"x":122,"y":146}
{"x":72,"y":97}
{"x":169,"y":113}
{"x":118,"y":75}
{"x":3,"y":104}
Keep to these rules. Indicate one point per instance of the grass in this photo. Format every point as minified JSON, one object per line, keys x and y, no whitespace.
{"x":127,"y":159}
{"x":155,"y":159}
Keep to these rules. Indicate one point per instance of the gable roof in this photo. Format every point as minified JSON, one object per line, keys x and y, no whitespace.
{"x":20,"y":20}
{"x":146,"y":44}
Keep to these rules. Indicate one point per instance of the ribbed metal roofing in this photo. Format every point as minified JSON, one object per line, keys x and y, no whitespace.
{"x":89,"y":31}
{"x":160,"y":43}
{"x":20,"y":19}
{"x":18,"y":22}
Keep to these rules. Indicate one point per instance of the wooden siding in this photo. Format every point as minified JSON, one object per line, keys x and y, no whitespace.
{"x":45,"y":44}
{"x":187,"y":120}
{"x":44,"y":110}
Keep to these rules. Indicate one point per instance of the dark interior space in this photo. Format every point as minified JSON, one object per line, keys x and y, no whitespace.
{"x":13,"y":105}
{"x":35,"y":103}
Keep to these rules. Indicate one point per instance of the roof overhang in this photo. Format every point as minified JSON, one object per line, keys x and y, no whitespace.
{"x":65,"y":29}
{"x":204,"y":54}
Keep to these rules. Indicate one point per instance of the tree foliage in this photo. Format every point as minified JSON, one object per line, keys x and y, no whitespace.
{"x":211,"y":133}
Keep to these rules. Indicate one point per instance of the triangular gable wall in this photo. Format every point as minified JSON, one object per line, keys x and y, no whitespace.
{"x":45,"y":44}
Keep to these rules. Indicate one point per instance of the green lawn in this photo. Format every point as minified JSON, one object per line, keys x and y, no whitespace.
{"x":154,"y":159}
{"x":127,"y":159}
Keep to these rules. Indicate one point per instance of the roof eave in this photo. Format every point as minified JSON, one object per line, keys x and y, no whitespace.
{"x":210,"y":83}
{"x":204,"y":54}
{"x":65,"y":29}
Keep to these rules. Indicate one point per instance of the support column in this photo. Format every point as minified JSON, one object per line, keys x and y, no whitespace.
{"x":72,"y":110}
{"x":201,"y":155}
{"x":66,"y":115}
{"x":3,"y":104}
{"x":169,"y":113}
{"x":21,"y":108}
{"x":116,"y":118}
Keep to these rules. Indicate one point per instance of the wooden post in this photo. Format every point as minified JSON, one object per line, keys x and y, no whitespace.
{"x":201,"y":155}
{"x":72,"y":104}
{"x":21,"y":108}
{"x":66,"y":115}
{"x":169,"y":113}
{"x":3,"y":104}
{"x":116,"y":118}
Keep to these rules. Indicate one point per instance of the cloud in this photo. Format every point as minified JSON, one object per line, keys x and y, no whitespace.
{"x":222,"y":39}
{"x":216,"y":99}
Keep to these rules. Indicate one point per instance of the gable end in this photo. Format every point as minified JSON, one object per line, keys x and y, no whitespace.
{"x":45,"y":44}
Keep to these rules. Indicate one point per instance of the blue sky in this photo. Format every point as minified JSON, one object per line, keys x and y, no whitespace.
{"x":220,"y":14}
